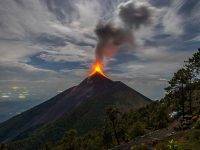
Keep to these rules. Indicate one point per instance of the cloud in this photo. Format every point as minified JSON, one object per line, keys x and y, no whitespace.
{"x":52,"y":42}
{"x":31,"y":27}
{"x":134,"y":14}
{"x":195,"y":39}
{"x":172,"y":21}
{"x":161,"y":54}
{"x":150,"y":69}
{"x":20,"y":20}
{"x":195,"y":14}
{"x":16,"y":51}
{"x":89,"y":13}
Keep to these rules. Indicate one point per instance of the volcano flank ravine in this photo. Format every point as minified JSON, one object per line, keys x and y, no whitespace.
{"x":80,"y":107}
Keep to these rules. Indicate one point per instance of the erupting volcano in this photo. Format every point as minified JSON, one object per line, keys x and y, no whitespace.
{"x":81,"y":107}
{"x":97,"y":67}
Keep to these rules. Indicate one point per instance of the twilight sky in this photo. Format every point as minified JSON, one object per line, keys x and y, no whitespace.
{"x":47,"y":46}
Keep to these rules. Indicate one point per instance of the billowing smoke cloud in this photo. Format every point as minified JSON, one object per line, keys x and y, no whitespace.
{"x":111,"y":35}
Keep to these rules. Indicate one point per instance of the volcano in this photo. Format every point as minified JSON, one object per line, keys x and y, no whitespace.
{"x":80,"y":107}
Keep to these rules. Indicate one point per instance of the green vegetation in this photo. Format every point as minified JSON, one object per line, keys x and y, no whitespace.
{"x":184,"y":140}
{"x":185,"y":84}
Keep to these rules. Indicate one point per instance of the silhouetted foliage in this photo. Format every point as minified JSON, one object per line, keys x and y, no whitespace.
{"x":185,"y":82}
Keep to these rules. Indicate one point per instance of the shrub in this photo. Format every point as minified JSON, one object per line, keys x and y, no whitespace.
{"x":139,"y":147}
{"x":197,"y":125}
{"x":138,"y":129}
{"x":161,"y":146}
{"x":173,"y":145}
{"x":194,"y":135}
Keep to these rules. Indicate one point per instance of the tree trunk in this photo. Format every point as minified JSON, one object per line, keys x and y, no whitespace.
{"x":190,"y":97}
{"x":183,"y":100}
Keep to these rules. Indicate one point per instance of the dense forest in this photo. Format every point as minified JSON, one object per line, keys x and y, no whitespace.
{"x":176,"y":113}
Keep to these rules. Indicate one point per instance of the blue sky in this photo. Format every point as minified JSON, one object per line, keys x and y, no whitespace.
{"x":47,"y":46}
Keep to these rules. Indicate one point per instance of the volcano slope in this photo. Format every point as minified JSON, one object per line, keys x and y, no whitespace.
{"x":80,"y":107}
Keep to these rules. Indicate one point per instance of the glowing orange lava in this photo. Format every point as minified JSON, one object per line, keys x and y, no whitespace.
{"x":97,"y":67}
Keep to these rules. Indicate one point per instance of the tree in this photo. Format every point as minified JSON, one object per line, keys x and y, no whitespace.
{"x":91,"y":141}
{"x":3,"y":146}
{"x":113,"y":115}
{"x":189,"y":80}
{"x":137,"y":130}
{"x":69,"y":141}
{"x":193,"y":65}
{"x":177,"y":86}
{"x":107,"y":137}
{"x":184,"y":82}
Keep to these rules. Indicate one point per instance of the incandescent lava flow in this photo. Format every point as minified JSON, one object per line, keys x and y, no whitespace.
{"x":97,"y":67}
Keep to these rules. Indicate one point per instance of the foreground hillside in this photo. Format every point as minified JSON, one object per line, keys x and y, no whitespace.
{"x":181,"y":140}
{"x":147,"y":128}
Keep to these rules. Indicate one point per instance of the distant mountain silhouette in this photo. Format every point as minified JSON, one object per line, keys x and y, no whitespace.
{"x":80,"y":107}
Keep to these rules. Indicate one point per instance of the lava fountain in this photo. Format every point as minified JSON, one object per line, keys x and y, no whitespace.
{"x":97,"y":67}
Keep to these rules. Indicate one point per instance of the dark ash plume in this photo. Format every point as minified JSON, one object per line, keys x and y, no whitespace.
{"x":133,"y":16}
{"x":111,"y":36}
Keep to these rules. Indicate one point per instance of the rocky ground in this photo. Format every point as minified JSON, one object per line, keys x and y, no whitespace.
{"x":177,"y":130}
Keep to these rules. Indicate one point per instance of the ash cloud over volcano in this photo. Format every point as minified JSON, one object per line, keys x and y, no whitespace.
{"x":111,"y":35}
